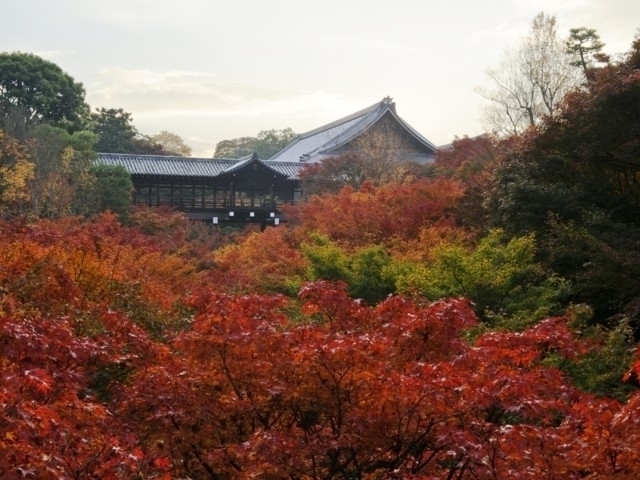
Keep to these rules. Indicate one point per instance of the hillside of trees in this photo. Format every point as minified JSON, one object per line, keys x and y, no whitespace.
{"x":476,"y":319}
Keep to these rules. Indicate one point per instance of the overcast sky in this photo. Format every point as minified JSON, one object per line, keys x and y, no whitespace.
{"x":210,"y":70}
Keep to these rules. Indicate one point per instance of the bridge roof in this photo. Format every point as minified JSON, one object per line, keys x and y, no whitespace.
{"x":162,"y":165}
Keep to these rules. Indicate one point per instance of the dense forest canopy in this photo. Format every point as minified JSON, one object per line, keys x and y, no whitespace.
{"x":477,"y":318}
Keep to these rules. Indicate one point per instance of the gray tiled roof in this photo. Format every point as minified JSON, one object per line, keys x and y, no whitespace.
{"x":317,"y":144}
{"x":290,"y":169}
{"x":187,"y":166}
{"x":309,"y":147}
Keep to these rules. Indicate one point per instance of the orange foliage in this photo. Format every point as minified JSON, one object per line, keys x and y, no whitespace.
{"x":73,"y":265}
{"x":421,"y":248}
{"x":242,"y":390}
{"x":71,"y":293}
{"x":262,"y":261}
{"x":379,"y":215}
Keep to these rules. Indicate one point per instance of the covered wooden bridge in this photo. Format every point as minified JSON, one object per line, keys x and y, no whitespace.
{"x":219,"y":191}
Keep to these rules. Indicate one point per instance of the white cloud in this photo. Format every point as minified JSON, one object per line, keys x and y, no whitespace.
{"x":205,"y":108}
{"x":210,"y":70}
{"x":151,"y":93}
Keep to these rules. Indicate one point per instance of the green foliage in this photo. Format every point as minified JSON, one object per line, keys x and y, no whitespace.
{"x":272,"y":141}
{"x":105,"y":378}
{"x":62,"y":178}
{"x":596,"y":136}
{"x":235,"y":148}
{"x":602,"y":369}
{"x":584,"y":43}
{"x":527,"y":191}
{"x":601,"y":372}
{"x":116,"y":134}
{"x":58,"y":176}
{"x":600,"y":258}
{"x":574,"y":183}
{"x":327,"y":261}
{"x":633,"y":57}
{"x":365,"y":271}
{"x":40,"y":91}
{"x":113,"y":187}
{"x":114,"y":129}
{"x":502,"y":278}
{"x":368,"y":277}
{"x":266,"y":144}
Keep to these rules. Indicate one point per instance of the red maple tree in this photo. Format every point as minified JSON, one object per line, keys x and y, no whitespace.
{"x":243,"y":386}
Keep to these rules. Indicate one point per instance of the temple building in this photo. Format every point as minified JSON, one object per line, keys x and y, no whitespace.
{"x":378,"y":126}
{"x":252,"y":189}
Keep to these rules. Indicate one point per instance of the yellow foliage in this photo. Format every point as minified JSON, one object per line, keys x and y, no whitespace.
{"x":66,"y":156}
{"x":15,"y":182}
{"x":16,"y":171}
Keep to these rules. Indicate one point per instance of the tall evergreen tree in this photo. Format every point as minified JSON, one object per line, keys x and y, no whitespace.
{"x":40,"y":91}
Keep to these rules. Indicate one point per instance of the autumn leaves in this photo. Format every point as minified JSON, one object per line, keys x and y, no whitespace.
{"x":139,"y":368}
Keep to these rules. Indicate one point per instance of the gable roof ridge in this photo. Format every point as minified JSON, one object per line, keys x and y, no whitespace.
{"x":360,"y":113}
{"x":283,"y":162}
{"x":248,"y":160}
{"x":381,"y":106}
{"x":351,"y":132}
{"x":164,"y":164}
{"x":417,"y":135}
{"x":152,"y":157}
{"x":241,"y":162}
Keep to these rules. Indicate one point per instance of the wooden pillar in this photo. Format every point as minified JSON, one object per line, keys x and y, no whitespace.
{"x":271,"y":199}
